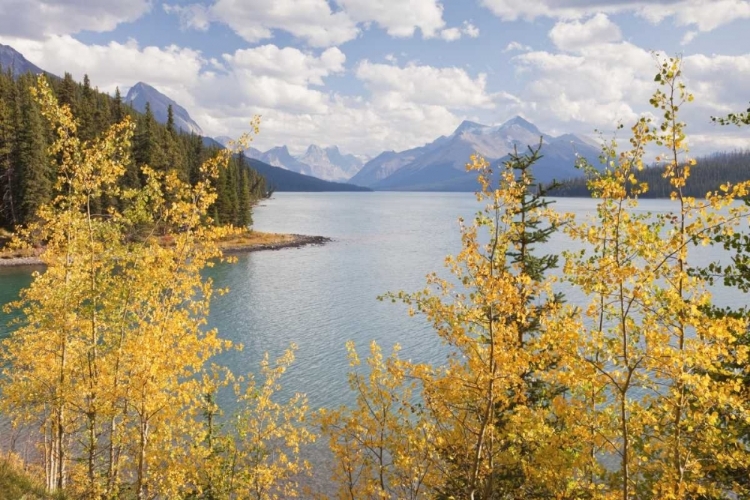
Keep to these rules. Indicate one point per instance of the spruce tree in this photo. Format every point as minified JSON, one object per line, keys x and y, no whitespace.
{"x":34,"y":169}
{"x":244,"y":200}
{"x":8,"y":216}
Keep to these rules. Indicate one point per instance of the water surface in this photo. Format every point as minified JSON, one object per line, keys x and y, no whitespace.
{"x":321,"y":296}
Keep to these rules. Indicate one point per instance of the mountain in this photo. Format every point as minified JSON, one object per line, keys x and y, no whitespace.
{"x":329,"y":163}
{"x":142,"y":93}
{"x":440,"y":165}
{"x":280,"y":157}
{"x":281,"y":179}
{"x":388,"y":162}
{"x":11,"y":59}
{"x":324,"y":163}
{"x":223,"y":139}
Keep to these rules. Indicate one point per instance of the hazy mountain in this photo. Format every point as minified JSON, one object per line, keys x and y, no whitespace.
{"x":388,"y":162}
{"x":223,"y":139}
{"x":329,"y":163}
{"x":11,"y":58}
{"x":440,"y":165}
{"x":280,"y":157}
{"x":281,"y":179}
{"x":324,"y":163}
{"x":256,"y":154}
{"x":142,"y":93}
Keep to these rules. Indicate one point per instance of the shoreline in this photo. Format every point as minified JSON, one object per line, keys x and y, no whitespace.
{"x":293,"y":241}
{"x":281,"y":241}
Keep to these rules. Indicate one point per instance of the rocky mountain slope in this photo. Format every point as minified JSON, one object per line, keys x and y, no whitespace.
{"x":142,"y":93}
{"x":440,"y":165}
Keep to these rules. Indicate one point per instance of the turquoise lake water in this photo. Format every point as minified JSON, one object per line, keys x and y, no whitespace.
{"x":321,"y":296}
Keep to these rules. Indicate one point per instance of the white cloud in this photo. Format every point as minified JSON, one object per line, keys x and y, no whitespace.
{"x":704,"y":15}
{"x":400,"y":18}
{"x":688,"y":37}
{"x":288,"y":63}
{"x":196,"y":16}
{"x":573,"y":35}
{"x":450,"y":34}
{"x":470,"y":30}
{"x":453,"y":34}
{"x":38,"y":18}
{"x":718,"y":81}
{"x":601,"y":85}
{"x":281,"y":84}
{"x":451,"y":88}
{"x":310,"y":20}
{"x":171,"y":67}
{"x":513,"y":46}
{"x":315,"y":22}
{"x":595,"y":88}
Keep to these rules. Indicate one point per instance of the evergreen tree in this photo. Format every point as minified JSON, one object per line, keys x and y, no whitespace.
{"x":118,"y":110}
{"x":26,"y":177}
{"x":8,"y":104}
{"x":170,"y":121}
{"x":244,"y":200}
{"x":146,"y":150}
{"x":35,"y":178}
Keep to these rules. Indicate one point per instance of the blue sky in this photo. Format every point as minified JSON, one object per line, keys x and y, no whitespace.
{"x":374,"y":75}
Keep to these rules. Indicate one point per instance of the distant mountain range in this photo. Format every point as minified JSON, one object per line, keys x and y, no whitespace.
{"x":440,"y":165}
{"x":437,"y":166}
{"x":11,"y":59}
{"x":324,"y":163}
{"x":281,"y":179}
{"x":142,"y":93}
{"x":278,"y":177}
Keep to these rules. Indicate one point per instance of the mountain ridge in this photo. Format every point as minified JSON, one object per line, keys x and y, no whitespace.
{"x":327,"y":163}
{"x":141,"y":93}
{"x":11,"y":59}
{"x":440,"y":165}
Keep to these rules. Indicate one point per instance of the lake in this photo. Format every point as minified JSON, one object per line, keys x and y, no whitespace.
{"x":321,"y":296}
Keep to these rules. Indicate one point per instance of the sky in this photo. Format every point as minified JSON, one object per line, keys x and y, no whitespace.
{"x":377,"y":75}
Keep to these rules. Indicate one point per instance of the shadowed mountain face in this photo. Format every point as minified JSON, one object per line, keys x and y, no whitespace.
{"x":142,"y":93}
{"x":11,"y":59}
{"x":280,"y":179}
{"x":440,"y":165}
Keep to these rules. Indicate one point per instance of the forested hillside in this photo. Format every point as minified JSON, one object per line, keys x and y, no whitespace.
{"x":707,"y":175}
{"x":27,"y":173}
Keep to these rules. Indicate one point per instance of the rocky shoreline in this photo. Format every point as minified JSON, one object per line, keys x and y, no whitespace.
{"x":296,"y":241}
{"x":20,"y":261}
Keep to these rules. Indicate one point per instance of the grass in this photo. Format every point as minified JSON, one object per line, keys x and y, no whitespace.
{"x":245,"y":240}
{"x":19,"y":484}
{"x":255,"y":238}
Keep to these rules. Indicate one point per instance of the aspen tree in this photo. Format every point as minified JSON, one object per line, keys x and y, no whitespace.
{"x":384,"y":447}
{"x":480,"y":429}
{"x":106,"y":357}
{"x":647,"y":342}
